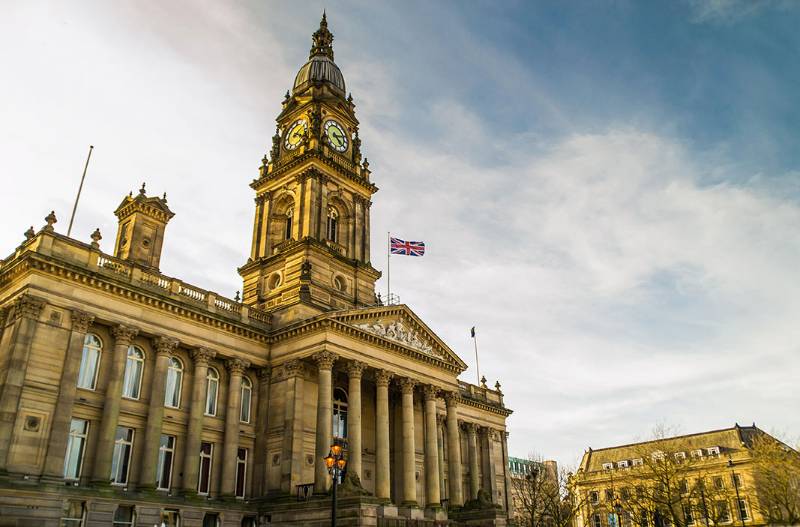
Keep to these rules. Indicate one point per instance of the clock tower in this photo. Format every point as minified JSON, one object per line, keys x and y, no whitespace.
{"x":310,"y":250}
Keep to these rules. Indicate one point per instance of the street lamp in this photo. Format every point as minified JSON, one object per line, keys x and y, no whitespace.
{"x":618,"y":510}
{"x":736,"y":487}
{"x":335,"y":462}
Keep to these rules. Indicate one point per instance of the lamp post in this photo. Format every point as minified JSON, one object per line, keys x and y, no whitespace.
{"x":736,"y":487}
{"x":618,"y":510}
{"x":335,"y":462}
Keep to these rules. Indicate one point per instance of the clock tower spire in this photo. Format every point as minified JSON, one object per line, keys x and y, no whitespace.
{"x":310,"y":250}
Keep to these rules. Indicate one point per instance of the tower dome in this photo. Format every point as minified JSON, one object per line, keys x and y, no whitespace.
{"x":320,"y":67}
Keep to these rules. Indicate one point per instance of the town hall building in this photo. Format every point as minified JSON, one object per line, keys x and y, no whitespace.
{"x":132,"y":398}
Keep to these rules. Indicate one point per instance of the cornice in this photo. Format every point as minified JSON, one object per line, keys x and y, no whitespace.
{"x":505,"y":412}
{"x":308,"y":155}
{"x":34,"y":262}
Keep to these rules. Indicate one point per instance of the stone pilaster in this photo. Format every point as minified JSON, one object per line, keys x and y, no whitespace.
{"x":191,"y":455}
{"x":164,"y":347}
{"x":230,"y":446}
{"x":472,"y":442}
{"x":489,"y":483}
{"x":440,"y":450}
{"x":382,"y":474}
{"x":355,"y":370}
{"x":68,"y":386}
{"x":292,"y":447}
{"x":432,"y":496}
{"x":454,"y":451}
{"x":507,"y":477}
{"x":409,"y":453}
{"x":324,"y":360}
{"x":262,"y":428}
{"x":25,"y":315}
{"x":123,"y":335}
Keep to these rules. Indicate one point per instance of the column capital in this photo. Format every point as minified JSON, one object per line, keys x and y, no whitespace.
{"x":470,"y":427}
{"x":202,"y":356}
{"x":264,"y":374}
{"x":123,"y":335}
{"x":430,"y":392}
{"x":355,"y":368}
{"x":165,"y":345}
{"x":292,"y":368}
{"x":28,"y":306}
{"x":441,"y":419}
{"x":81,"y":320}
{"x":407,"y":384}
{"x":236,"y":366}
{"x":325,"y":359}
{"x":451,"y":398}
{"x":382,"y":377}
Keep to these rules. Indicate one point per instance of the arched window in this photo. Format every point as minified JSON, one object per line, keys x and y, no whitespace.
{"x":134,"y":365}
{"x":287,"y":232}
{"x":172,"y":394}
{"x":247,"y":396}
{"x":333,"y":222}
{"x":339,"y":413}
{"x":90,"y":362}
{"x":212,"y":387}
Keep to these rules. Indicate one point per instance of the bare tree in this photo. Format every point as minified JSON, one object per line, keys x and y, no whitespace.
{"x":544,"y":498}
{"x":777,"y":479}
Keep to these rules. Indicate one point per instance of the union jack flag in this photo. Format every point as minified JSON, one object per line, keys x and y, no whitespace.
{"x":399,"y":246}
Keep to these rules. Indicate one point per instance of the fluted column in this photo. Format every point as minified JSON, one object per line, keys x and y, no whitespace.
{"x":355,"y":370}
{"x":155,"y":415}
{"x":25,"y":313}
{"x":191,"y":454}
{"x":262,"y":427}
{"x":472,"y":441}
{"x":409,"y":453}
{"x":62,"y":414}
{"x":123,"y":335}
{"x":382,"y":474}
{"x":324,"y":360}
{"x":230,"y":446}
{"x":454,"y":451}
{"x":432,"y":496}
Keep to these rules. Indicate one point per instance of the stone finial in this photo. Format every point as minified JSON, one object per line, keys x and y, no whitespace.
{"x":382,"y":377}
{"x":30,"y":233}
{"x":202,"y":356}
{"x":96,"y":237}
{"x":142,"y":191}
{"x":497,"y":387}
{"x":324,"y":359}
{"x":365,"y":164}
{"x":483,"y":382}
{"x":164,"y":197}
{"x":237,"y":298}
{"x":51,"y":220}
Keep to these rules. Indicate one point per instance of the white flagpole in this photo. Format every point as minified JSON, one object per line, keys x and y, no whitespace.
{"x":477,"y":365}
{"x":388,"y":267}
{"x":80,"y":188}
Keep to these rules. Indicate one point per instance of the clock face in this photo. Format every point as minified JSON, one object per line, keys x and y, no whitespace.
{"x":297,"y":131}
{"x":336,"y":135}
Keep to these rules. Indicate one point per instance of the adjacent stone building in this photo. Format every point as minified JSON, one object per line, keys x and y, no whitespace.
{"x":128,"y":397}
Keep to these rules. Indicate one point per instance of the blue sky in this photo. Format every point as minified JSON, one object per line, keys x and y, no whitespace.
{"x":608,"y":190}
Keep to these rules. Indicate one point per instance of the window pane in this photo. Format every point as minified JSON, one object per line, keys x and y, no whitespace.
{"x":206,"y":452}
{"x":75,"y":448}
{"x":241,"y":471}
{"x":172,"y":394}
{"x":245,"y":414}
{"x":122,"y":454}
{"x":88,"y":371}
{"x":124,"y":516}
{"x":211,"y":397}
{"x":211,"y":520}
{"x":133,"y":374}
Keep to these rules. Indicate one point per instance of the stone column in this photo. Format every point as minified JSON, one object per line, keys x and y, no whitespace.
{"x":432,"y":496}
{"x":454,"y":450}
{"x":382,"y":473}
{"x":489,"y":483}
{"x":507,"y":476}
{"x":354,"y":371}
{"x":440,"y":450}
{"x":25,"y":316}
{"x":62,"y":414}
{"x":409,"y":452}
{"x":230,"y":445}
{"x":123,"y":335}
{"x":262,"y":429}
{"x":324,"y":360}
{"x":155,"y":414}
{"x":472,"y":441}
{"x":194,"y":430}
{"x":292,"y":455}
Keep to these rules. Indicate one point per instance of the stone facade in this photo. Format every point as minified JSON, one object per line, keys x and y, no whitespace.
{"x":129,"y":396}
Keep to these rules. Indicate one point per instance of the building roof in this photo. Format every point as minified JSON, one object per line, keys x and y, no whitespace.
{"x":320,"y":67}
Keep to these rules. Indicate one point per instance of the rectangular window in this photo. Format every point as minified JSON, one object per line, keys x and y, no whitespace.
{"x":170,"y":518}
{"x":609,"y":495}
{"x":206,"y":455}
{"x":743,"y":514}
{"x":125,"y":516}
{"x":76,"y":445}
{"x":643,"y":520}
{"x":723,"y":512}
{"x":596,"y":522}
{"x":622,"y":464}
{"x":737,"y":480}
{"x":87,"y":376}
{"x":718,"y":483}
{"x":713,"y":451}
{"x":594,"y":497}
{"x":120,"y":463}
{"x":166,"y":452}
{"x":241,"y":472}
{"x":74,"y":513}
{"x":638,"y":462}
{"x":687,"y":515}
{"x":680,"y":457}
{"x":608,"y":466}
{"x":684,"y":486}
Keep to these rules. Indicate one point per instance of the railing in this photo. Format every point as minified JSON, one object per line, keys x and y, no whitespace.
{"x":227,"y":305}
{"x":339,"y":249}
{"x":114,"y":265}
{"x":194,"y":294}
{"x":305,"y":491}
{"x":341,"y":160}
{"x":156,"y":280}
{"x":258,"y":315}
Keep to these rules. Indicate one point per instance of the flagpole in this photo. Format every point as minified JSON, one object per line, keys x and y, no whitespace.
{"x":477,"y":365}
{"x":388,"y":266}
{"x":80,"y":188}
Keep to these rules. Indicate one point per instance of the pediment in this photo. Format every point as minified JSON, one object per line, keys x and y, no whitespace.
{"x":399,"y":325}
